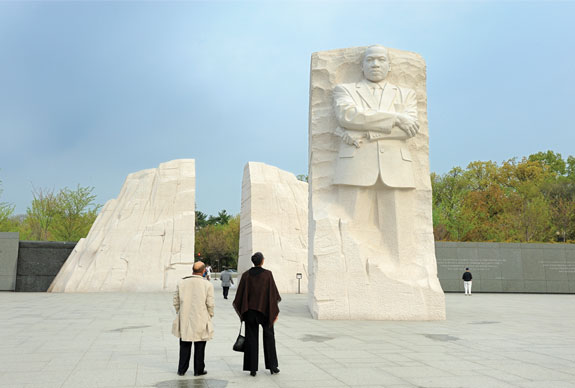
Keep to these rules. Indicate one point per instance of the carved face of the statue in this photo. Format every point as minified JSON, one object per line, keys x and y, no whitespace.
{"x":375,"y":64}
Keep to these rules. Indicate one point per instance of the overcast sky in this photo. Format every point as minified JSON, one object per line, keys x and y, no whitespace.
{"x":92,"y":91}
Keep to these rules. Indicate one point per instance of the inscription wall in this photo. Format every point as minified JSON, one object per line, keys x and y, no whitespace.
{"x":505,"y":267}
{"x":39,"y":263}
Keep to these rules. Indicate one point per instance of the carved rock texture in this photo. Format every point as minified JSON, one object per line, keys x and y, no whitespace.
{"x":350,"y":277}
{"x":273,"y":221}
{"x":141,"y":241}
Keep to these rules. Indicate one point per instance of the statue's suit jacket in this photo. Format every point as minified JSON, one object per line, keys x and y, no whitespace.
{"x":383,"y":149}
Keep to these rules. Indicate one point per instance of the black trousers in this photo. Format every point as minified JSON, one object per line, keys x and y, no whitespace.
{"x":253,"y":319}
{"x":226,"y":290}
{"x":186,"y":352}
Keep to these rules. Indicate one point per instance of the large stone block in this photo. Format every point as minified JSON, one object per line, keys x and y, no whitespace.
{"x":273,"y":221}
{"x":372,"y":253}
{"x":141,"y":241}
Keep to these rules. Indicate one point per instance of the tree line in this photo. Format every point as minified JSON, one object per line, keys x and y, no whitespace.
{"x":527,"y":200}
{"x":218,"y":239}
{"x":531,"y":199}
{"x":64,"y":215}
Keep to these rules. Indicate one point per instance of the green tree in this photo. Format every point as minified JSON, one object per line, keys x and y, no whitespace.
{"x":6,"y":211}
{"x":551,"y":159}
{"x":531,"y":199}
{"x":41,"y":213}
{"x":75,"y":213}
{"x":571,"y":168}
{"x":65,"y":216}
{"x":563,"y":215}
{"x":221,"y":219}
{"x":201,"y":220}
{"x":448,"y":193}
{"x":219,"y":243}
{"x":224,"y":217}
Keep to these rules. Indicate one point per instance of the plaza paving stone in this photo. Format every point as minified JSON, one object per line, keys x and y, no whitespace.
{"x":118,"y":340}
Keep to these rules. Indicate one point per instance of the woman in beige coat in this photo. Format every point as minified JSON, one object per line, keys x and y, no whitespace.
{"x":194,"y":303}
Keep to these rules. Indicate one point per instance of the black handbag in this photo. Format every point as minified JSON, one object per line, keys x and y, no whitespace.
{"x":240,"y":343}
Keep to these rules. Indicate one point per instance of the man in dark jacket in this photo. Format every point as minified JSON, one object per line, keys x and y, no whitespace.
{"x":256,"y":303}
{"x":467,"y":281}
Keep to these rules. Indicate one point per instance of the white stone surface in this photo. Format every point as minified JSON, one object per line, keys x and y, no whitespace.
{"x":371,"y":237}
{"x":141,"y":241}
{"x":273,"y":220}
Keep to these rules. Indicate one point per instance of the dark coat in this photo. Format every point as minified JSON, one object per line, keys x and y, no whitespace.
{"x":467,"y":276}
{"x":257,"y":291}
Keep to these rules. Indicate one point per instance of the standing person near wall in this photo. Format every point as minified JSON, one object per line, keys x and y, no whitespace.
{"x":467,"y":281}
{"x":256,"y":303}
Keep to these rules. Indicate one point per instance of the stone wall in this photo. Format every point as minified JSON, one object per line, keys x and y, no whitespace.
{"x":496,"y":267}
{"x":39,"y":262}
{"x":504,"y":267}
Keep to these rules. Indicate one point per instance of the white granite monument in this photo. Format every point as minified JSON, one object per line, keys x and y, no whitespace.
{"x":273,"y":220}
{"x":371,"y":237}
{"x":141,"y":241}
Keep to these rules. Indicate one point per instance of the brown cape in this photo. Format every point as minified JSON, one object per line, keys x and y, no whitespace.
{"x":257,"y":291}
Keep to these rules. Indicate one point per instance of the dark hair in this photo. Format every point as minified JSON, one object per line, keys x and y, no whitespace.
{"x":467,"y":269}
{"x":257,"y":259}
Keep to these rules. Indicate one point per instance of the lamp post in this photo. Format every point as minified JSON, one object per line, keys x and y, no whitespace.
{"x":298,"y":277}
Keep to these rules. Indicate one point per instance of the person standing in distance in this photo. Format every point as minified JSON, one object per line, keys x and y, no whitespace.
{"x":467,"y":281}
{"x":227,"y":280}
{"x":256,"y":303}
{"x":194,"y":303}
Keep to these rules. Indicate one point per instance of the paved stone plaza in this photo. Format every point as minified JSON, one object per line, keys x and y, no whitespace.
{"x":124,"y":340}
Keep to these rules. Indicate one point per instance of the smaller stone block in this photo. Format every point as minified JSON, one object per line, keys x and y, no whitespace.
{"x":273,"y":221}
{"x":8,"y":260}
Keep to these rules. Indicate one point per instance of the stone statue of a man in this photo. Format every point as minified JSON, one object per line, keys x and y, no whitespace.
{"x":376,"y":117}
{"x":374,"y":167}
{"x":371,"y":248}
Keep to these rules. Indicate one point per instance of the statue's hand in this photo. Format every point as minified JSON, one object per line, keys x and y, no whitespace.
{"x":350,"y":140}
{"x":409,"y":125}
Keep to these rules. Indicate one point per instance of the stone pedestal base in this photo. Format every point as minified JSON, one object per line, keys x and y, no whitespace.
{"x":355,"y":281}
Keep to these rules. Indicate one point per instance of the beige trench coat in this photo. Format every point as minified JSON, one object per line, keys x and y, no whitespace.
{"x":194,"y":303}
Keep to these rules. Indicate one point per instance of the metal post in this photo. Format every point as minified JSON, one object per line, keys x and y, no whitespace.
{"x":298,"y":276}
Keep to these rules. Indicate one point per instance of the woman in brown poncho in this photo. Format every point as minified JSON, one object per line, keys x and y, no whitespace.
{"x":256,"y":303}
